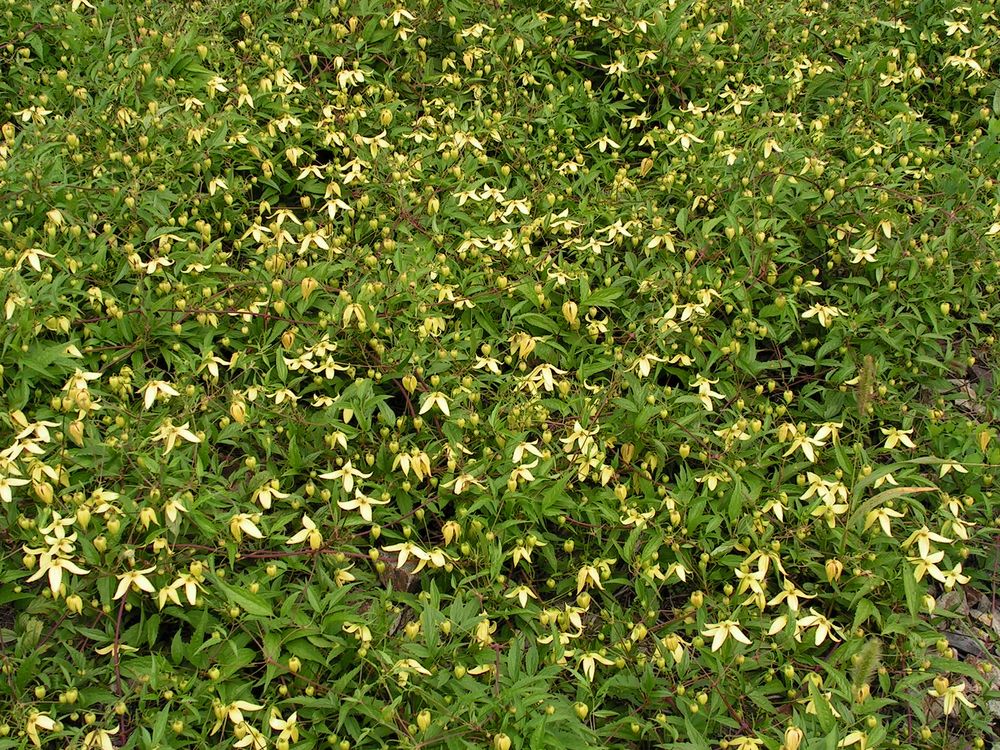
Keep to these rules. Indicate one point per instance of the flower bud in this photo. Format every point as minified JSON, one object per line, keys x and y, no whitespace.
{"x":147,"y":516}
{"x":983,"y":439}
{"x":44,"y":492}
{"x":570,"y":311}
{"x":501,"y":741}
{"x":793,"y":738}
{"x":834,"y":569}
{"x":294,"y":665}
{"x":424,"y":720}
{"x":307,"y":286}
{"x":74,"y":604}
{"x":628,"y":453}
{"x":238,"y":411}
{"x":941,"y":684}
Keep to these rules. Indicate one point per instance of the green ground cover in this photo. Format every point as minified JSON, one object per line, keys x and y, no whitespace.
{"x":595,"y":374}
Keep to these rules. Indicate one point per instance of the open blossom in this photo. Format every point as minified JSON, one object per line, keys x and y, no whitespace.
{"x":157,"y":389}
{"x":722,"y":631}
{"x":705,"y":392}
{"x":823,"y":313}
{"x":136,"y":578}
{"x":824,"y":628}
{"x":361,"y":503}
{"x":36,"y":721}
{"x":5,"y":487}
{"x":100,"y":739}
{"x":288,"y":728}
{"x":346,"y":475}
{"x":950,"y":694}
{"x":438,"y":399}
{"x":168,"y":433}
{"x":54,"y":567}
{"x":243,"y":523}
{"x":309,"y":533}
{"x":896,"y":437}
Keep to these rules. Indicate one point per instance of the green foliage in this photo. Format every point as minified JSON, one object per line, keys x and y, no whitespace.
{"x":602,"y":374}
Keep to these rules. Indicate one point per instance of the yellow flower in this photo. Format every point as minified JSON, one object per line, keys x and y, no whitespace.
{"x":721,"y":631}
{"x":705,"y":392}
{"x":6,"y":483}
{"x":234,"y":711}
{"x":157,"y":388}
{"x":36,"y":721}
{"x":55,"y":566}
{"x":883,"y":516}
{"x":190,"y":583}
{"x":242,"y":523}
{"x":588,"y":661}
{"x":522,"y":594}
{"x":790,"y":594}
{"x":674,"y":646}
{"x":954,"y":576}
{"x":267,"y":493}
{"x":115,"y":649}
{"x":855,"y":738}
{"x":823,"y":313}
{"x":805,"y":444}
{"x":950,"y":694}
{"x":823,"y":627}
{"x":746,"y":743}
{"x":344,"y":576}
{"x":308,"y":532}
{"x":923,"y":537}
{"x":405,"y":549}
{"x":168,"y":593}
{"x":288,"y":728}
{"x":251,"y":737}
{"x":172,"y":509}
{"x":927,"y":564}
{"x":135,"y":578}
{"x":588,"y":575}
{"x":896,"y":437}
{"x":361,"y":503}
{"x":361,"y":632}
{"x":99,"y":739}
{"x":435,"y":398}
{"x":950,"y":465}
{"x":169,"y":433}
{"x":346,"y":475}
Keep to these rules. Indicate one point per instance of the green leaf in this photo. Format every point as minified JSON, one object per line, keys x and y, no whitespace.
{"x":824,"y":713}
{"x":252,"y":604}
{"x":910,"y":589}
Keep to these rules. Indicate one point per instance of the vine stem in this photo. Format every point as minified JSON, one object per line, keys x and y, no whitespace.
{"x":115,"y":649}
